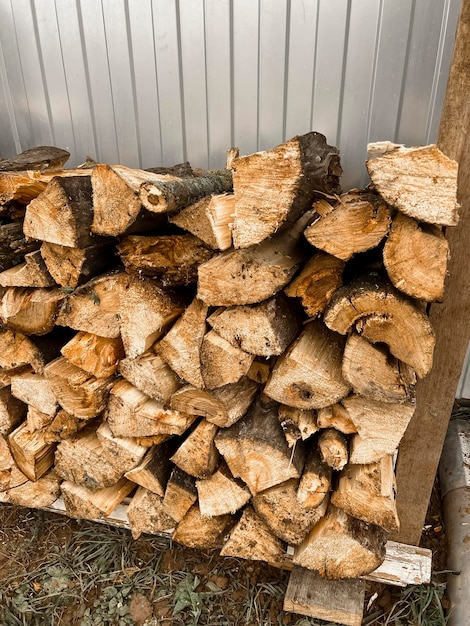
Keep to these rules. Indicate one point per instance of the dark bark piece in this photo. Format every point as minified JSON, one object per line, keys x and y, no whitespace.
{"x":32,"y":273}
{"x":13,"y":245}
{"x":180,"y":494}
{"x":30,"y":311}
{"x":42,"y":158}
{"x":278,"y":185}
{"x":182,"y":170}
{"x":196,"y":531}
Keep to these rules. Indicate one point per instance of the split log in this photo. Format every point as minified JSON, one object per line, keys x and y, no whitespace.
{"x":12,"y":410}
{"x":147,"y":515}
{"x":281,"y":511}
{"x":155,"y":468}
{"x":30,"y":311}
{"x":197,"y":455}
{"x":21,"y":187}
{"x":356,"y":223}
{"x":333,"y":447}
{"x":383,"y":314}
{"x":121,"y":450}
{"x":37,"y":420}
{"x":302,"y":422}
{"x":98,"y":356}
{"x":78,"y":392}
{"x":340,"y":546}
{"x":18,"y":351}
{"x":130,"y":413}
{"x":35,"y":390}
{"x":42,"y":158}
{"x":318,"y":280}
{"x":221,"y":494}
{"x":32,"y":273}
{"x":415,"y":257}
{"x":315,"y":482}
{"x":308,"y":375}
{"x":63,"y":426}
{"x":180,"y":494}
{"x":33,"y":455}
{"x":174,"y":259}
{"x":210,"y":219}
{"x":252,"y":539}
{"x":373,"y":373}
{"x":337,"y":417}
{"x":259,"y":371}
{"x":13,"y":245}
{"x":196,"y":531}
{"x":279,"y":185}
{"x":367,"y":492}
{"x":70,"y":267}
{"x":256,"y":450}
{"x":151,"y":375}
{"x":62,"y":213}
{"x":264,"y":329}
{"x":253,"y":274}
{"x":380,"y":427}
{"x":420,"y":182}
{"x":181,"y":346}
{"x":36,"y":494}
{"x":83,"y":503}
{"x":6,"y":375}
{"x":221,"y":362}
{"x":146,"y":311}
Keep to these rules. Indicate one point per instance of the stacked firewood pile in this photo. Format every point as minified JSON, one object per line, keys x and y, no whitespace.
{"x":240,"y":365}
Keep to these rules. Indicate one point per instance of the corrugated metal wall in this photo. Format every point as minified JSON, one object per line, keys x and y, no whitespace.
{"x":150,"y":82}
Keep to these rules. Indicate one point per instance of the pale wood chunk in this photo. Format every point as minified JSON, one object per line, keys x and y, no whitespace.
{"x":7,"y":374}
{"x":340,"y":546}
{"x":368,"y":493}
{"x":180,"y":494}
{"x":374,"y":373}
{"x":24,"y":186}
{"x":83,"y":503}
{"x":181,"y":346}
{"x":96,"y":355}
{"x":415,"y":257}
{"x":155,"y":468}
{"x":315,"y":482}
{"x":383,"y":314}
{"x":252,"y":539}
{"x":37,"y":494}
{"x":121,"y":450}
{"x":37,"y":420}
{"x":32,"y":273}
{"x":147,"y":515}
{"x":33,"y":455}
{"x":281,"y":511}
{"x":210,"y":219}
{"x":221,"y":362}
{"x":63,"y":426}
{"x":35,"y":390}
{"x":221,"y":494}
{"x":259,"y":371}
{"x":318,"y":280}
{"x":197,"y":455}
{"x":256,"y":450}
{"x":304,"y":420}
{"x":197,"y":531}
{"x":30,"y":311}
{"x":279,"y":185}
{"x":336,"y":416}
{"x":146,"y":311}
{"x":420,"y":182}
{"x":151,"y":375}
{"x":308,"y":375}
{"x":333,"y":447}
{"x":380,"y":427}
{"x":12,"y":410}
{"x":77,"y":391}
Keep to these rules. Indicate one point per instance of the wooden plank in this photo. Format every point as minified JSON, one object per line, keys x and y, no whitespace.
{"x":422,"y":444}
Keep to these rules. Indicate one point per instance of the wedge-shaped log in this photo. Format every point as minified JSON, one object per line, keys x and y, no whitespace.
{"x":174,"y":259}
{"x":17,"y":350}
{"x":123,"y":450}
{"x":318,"y":280}
{"x":155,"y":468}
{"x":221,"y":362}
{"x":197,"y":455}
{"x":32,"y":273}
{"x":151,"y":375}
{"x":221,"y":494}
{"x":24,"y":186}
{"x":77,"y":391}
{"x":62,"y":213}
{"x":180,"y":494}
{"x":130,"y":413}
{"x":30,"y":311}
{"x":308,"y":375}
{"x":36,"y":494}
{"x":383,"y":314}
{"x":33,"y":455}
{"x":36,"y":391}
{"x":223,"y":406}
{"x":83,"y":503}
{"x":36,"y":420}
{"x":415,"y":257}
{"x":41,"y":158}
{"x":94,"y":307}
{"x":13,"y":245}
{"x":210,"y":219}
{"x":367,"y":492}
{"x":252,"y":539}
{"x":197,"y":531}
{"x":278,"y":185}
{"x":336,"y":416}
{"x":259,"y":371}
{"x":380,"y":427}
{"x":333,"y":447}
{"x":256,"y":273}
{"x":315,"y":482}
{"x":70,"y":267}
{"x":302,"y":423}
{"x":96,"y":355}
{"x":12,"y":410}
{"x":264,"y":329}
{"x":356,"y":223}
{"x":340,"y":546}
{"x":256,"y":450}
{"x":147,"y":515}
{"x":7,"y":374}
{"x":373,"y":373}
{"x":280,"y":510}
{"x":62,"y":426}
{"x":420,"y":182}
{"x":181,"y":346}
{"x":145,"y":311}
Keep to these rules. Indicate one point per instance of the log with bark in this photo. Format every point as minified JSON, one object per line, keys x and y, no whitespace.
{"x":13,"y":245}
{"x":42,"y":158}
{"x":30,"y":311}
{"x":32,"y":273}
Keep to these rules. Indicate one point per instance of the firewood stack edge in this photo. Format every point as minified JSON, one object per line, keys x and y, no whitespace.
{"x":233,"y":353}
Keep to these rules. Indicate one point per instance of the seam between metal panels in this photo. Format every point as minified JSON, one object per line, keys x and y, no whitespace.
{"x":343,"y":72}
{"x":156,"y":82}
{"x":134,"y":90}
{"x":258,"y":75}
{"x":232,"y":76}
{"x":181,"y":80}
{"x":286,"y":69}
{"x":110,"y":81}
{"x":8,"y":100}
{"x":405,"y":70}
{"x":22,"y":74}
{"x":315,"y":60}
{"x":206,"y":92}
{"x":378,"y":35}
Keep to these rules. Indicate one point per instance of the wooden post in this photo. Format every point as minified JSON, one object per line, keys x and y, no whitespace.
{"x":421,"y":446}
